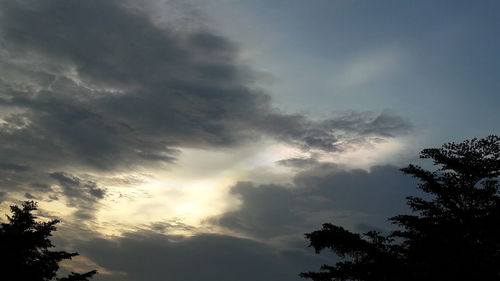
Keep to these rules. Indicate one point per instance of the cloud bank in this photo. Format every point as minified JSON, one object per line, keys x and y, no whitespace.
{"x":354,"y":198}
{"x":148,"y":256}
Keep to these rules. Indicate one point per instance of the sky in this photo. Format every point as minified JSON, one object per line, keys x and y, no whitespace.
{"x":199,"y":140}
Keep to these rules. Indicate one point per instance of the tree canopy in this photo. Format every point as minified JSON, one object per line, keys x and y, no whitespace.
{"x":451,"y":234}
{"x":25,"y":244}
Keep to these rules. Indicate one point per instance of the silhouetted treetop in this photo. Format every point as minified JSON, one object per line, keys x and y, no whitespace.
{"x":25,"y":244}
{"x":453,"y":233}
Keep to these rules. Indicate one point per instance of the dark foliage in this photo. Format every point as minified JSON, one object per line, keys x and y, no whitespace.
{"x":25,"y":244}
{"x":453,"y":234}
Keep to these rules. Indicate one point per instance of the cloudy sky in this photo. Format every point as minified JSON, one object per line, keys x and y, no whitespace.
{"x":190,"y":140}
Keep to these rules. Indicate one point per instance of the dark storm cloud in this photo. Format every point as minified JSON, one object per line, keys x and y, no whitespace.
{"x":138,"y":89}
{"x":320,"y":194}
{"x":145,"y":256}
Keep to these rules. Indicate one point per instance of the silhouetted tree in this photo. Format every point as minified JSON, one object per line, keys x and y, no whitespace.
{"x":24,"y":248}
{"x":452,"y":235}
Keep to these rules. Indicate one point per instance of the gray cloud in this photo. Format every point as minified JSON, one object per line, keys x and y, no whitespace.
{"x":79,"y":193}
{"x":267,"y":210}
{"x":336,"y":134}
{"x":298,"y":162}
{"x":145,"y":256}
{"x":13,"y":167}
{"x":357,"y":199}
{"x":30,"y":196}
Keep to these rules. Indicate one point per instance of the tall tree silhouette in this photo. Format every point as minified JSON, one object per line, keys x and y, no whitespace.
{"x":24,"y":248}
{"x":452,"y":234}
